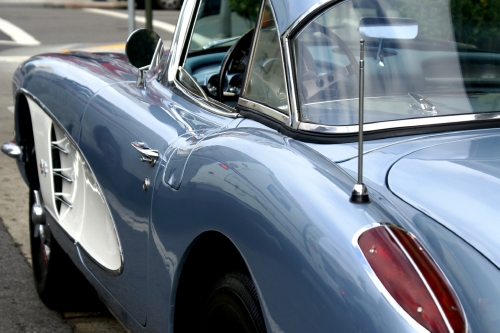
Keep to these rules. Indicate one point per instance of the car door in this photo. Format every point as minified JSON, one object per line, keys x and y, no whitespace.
{"x":121,"y":127}
{"x":155,"y":117}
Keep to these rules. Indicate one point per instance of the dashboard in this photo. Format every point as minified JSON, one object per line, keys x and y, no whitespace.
{"x":205,"y":69}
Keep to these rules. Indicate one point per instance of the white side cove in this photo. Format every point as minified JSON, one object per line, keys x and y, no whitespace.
{"x":78,"y":205}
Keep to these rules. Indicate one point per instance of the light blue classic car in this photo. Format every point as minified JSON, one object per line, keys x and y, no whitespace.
{"x":287,"y":166}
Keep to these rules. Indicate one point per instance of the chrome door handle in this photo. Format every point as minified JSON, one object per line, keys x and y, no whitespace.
{"x":148,"y":155}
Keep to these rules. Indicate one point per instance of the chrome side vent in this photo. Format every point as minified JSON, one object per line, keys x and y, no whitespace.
{"x":59,"y":174}
{"x":56,"y":164}
{"x":55,"y":145}
{"x":61,"y":199}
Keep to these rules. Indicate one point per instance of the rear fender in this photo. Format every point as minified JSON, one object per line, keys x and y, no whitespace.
{"x":287,"y":211}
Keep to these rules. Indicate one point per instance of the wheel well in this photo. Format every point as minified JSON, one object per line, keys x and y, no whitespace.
{"x":212,"y":255}
{"x":26,"y":140}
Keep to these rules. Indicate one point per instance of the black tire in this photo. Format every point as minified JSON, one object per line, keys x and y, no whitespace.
{"x":233,"y":307}
{"x":59,"y":284}
{"x":46,"y":262}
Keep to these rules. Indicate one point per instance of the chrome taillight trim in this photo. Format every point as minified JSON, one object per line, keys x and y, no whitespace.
{"x":422,"y":277}
{"x":378,"y":284}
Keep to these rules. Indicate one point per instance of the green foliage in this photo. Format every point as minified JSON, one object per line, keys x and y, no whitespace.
{"x":248,"y":9}
{"x":475,"y":22}
{"x":432,"y":16}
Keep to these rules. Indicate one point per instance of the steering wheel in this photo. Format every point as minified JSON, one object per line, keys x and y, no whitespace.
{"x":313,"y":83}
{"x":237,"y":52}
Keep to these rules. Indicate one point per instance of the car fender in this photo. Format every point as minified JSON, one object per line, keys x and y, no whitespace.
{"x":65,"y":83}
{"x":286,"y":209}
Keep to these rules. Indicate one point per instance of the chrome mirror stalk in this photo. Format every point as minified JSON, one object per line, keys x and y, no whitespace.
{"x":141,"y":77}
{"x":379,"y":58}
{"x":359,"y":194}
{"x":144,"y":50}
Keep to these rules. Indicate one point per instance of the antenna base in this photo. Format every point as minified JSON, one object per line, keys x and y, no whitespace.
{"x":359,"y":194}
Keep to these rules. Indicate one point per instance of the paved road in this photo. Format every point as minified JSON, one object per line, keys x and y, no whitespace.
{"x":45,"y":30}
{"x":59,"y":26}
{"x":18,"y":296}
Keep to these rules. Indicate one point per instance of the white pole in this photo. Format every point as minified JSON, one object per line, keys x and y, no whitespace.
{"x":131,"y":16}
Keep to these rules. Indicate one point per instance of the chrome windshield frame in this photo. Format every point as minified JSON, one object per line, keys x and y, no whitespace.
{"x":285,"y":117}
{"x":256,"y":34}
{"x":180,"y":42}
{"x":286,"y":42}
{"x":182,"y":33}
{"x":316,"y":128}
{"x":395,"y":124}
{"x":292,"y":119}
{"x":264,"y":109}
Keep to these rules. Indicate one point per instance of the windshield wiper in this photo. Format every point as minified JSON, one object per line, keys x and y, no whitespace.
{"x":422,"y":104}
{"x":219,"y":42}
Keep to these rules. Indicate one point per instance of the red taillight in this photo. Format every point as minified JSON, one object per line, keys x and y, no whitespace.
{"x":412,"y":278}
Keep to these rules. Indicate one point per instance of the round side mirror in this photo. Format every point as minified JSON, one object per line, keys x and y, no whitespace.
{"x":144,"y":48}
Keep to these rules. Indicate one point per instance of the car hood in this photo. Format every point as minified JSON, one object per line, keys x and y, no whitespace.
{"x":458,"y":185}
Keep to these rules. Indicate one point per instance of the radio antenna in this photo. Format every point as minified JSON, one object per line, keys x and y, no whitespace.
{"x":359,"y":193}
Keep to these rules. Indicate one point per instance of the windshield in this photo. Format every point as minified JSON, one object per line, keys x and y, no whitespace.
{"x":221,"y":22}
{"x":426,"y":58}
